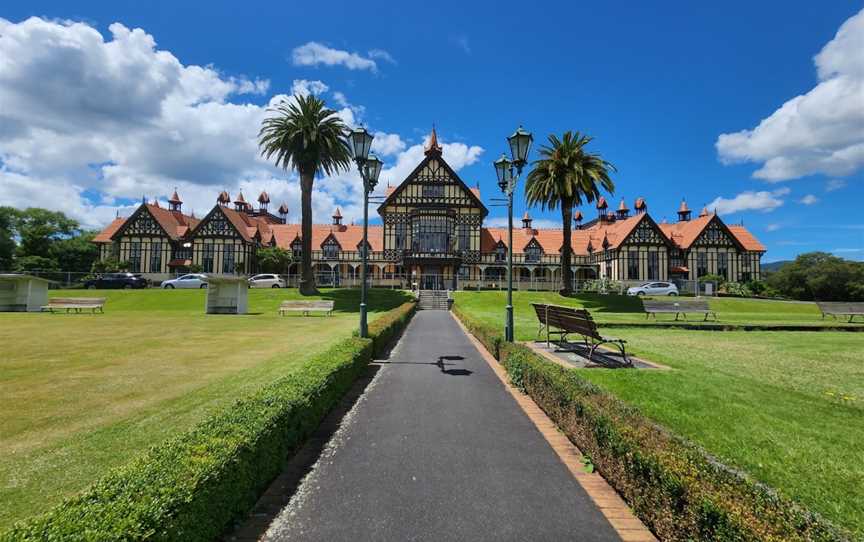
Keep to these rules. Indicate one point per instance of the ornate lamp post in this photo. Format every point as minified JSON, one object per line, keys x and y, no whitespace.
{"x":508,"y":173}
{"x":369,"y":167}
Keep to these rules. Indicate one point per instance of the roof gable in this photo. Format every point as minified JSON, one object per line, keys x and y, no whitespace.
{"x":645,"y":231}
{"x":142,"y":222}
{"x":221,"y":221}
{"x":432,"y":165}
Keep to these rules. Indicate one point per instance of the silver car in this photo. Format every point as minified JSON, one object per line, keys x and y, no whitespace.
{"x":267,"y":280}
{"x":192,"y":280}
{"x":654,"y":288}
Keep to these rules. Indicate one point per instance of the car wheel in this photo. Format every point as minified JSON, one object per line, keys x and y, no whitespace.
{"x":640,"y":293}
{"x":127,"y":286}
{"x":169,"y":286}
{"x":203,"y":286}
{"x":672,"y":294}
{"x":91,"y":286}
{"x":275,"y":286}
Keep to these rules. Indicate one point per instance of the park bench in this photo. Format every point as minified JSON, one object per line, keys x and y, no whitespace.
{"x":567,"y":321}
{"x":306,"y":307}
{"x":840,"y":308}
{"x":76,"y":304}
{"x":678,"y":308}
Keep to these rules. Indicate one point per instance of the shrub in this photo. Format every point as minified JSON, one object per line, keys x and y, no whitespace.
{"x":192,"y":486}
{"x":383,"y":329}
{"x":674,"y":486}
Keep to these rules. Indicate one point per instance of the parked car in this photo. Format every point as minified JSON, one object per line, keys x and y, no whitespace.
{"x":654,"y":288}
{"x":193,"y":280}
{"x":267,"y":281}
{"x":117,"y":280}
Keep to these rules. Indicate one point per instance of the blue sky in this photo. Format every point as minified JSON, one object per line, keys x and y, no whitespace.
{"x":656,"y":84}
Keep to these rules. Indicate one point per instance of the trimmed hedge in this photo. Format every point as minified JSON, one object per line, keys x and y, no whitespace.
{"x":385,"y":328}
{"x":191,"y":487}
{"x":675,"y":487}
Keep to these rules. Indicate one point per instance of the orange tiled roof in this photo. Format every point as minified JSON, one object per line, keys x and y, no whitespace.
{"x":105,"y":235}
{"x":746,"y":238}
{"x":684,"y":232}
{"x":348,"y":236}
{"x":175,"y":223}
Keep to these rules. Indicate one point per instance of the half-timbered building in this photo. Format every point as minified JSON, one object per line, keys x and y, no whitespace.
{"x":432,"y":236}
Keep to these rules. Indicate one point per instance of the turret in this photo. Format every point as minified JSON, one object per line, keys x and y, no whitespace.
{"x":175,"y":203}
{"x":526,"y":221}
{"x":601,"y":208}
{"x":224,"y":198}
{"x":240,"y":204}
{"x":283,"y":212}
{"x":263,"y":201}
{"x":683,"y":212}
{"x":640,"y":206}
{"x":337,"y":217}
{"x":622,"y":212}
{"x":577,"y":218}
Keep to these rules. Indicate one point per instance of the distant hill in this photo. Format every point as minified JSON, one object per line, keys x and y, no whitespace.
{"x":774,"y":266}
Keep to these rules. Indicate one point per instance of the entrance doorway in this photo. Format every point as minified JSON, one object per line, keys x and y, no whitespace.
{"x":431,"y":278}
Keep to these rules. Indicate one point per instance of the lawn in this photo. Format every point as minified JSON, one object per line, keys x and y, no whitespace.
{"x":623,"y":309}
{"x":81,"y":393}
{"x":786,"y":407}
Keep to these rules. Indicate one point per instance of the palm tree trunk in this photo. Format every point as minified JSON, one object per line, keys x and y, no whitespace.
{"x":566,"y":252}
{"x":307,"y":279}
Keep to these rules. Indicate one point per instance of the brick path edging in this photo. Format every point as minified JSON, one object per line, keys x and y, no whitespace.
{"x":611,"y":505}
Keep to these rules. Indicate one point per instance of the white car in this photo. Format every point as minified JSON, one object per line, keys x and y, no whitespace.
{"x":654,"y":288}
{"x":267,"y":281}
{"x":193,"y":280}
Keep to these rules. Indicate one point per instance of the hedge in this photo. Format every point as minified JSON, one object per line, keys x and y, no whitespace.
{"x":193,"y":486}
{"x":385,"y":328}
{"x":675,"y":487}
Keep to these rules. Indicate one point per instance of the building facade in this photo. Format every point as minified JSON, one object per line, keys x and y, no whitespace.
{"x":432,"y":236}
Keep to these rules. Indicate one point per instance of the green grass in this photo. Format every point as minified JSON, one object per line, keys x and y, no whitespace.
{"x":81,"y":393}
{"x":786,"y":407}
{"x":625,"y":309}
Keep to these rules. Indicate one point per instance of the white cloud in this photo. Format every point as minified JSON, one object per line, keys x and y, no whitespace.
{"x":314,"y":53}
{"x":381,"y":54}
{"x":462,"y":42}
{"x":763,"y":201}
{"x":304,"y":87}
{"x":818,"y":132}
{"x":809,"y":199}
{"x":340,"y":99}
{"x":834,"y":184}
{"x":90,"y":123}
{"x":772,"y":227}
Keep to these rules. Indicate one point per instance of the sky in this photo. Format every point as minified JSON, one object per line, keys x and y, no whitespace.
{"x":753,"y":109}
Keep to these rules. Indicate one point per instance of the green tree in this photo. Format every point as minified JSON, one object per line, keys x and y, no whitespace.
{"x":819,"y":276}
{"x":274,"y":260}
{"x":37,"y":229}
{"x":307,"y":137}
{"x":7,"y":238}
{"x":565,"y":176}
{"x":75,"y":253}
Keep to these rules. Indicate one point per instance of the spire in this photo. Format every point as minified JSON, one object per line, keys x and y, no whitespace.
{"x":577,"y":218}
{"x":283,"y":212}
{"x":337,"y":217}
{"x":622,"y":212}
{"x":433,"y":147}
{"x":240,"y":203}
{"x":526,"y":221}
{"x":601,"y":208}
{"x":175,"y":202}
{"x":703,"y":212}
{"x":263,"y":200}
{"x":683,"y":212}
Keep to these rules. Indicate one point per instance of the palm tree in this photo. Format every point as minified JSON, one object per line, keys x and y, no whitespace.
{"x":566,"y":175}
{"x":307,"y":137}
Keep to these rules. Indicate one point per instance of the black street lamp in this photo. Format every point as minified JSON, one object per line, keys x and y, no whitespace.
{"x":508,"y":173}
{"x":369,"y":167}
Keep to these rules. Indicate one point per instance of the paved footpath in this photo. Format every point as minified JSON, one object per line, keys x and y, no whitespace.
{"x":437,"y":449}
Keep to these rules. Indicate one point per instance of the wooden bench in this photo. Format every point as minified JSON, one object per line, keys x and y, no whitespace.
{"x":678,"y":308}
{"x":306,"y":307}
{"x":840,"y":308}
{"x":567,"y":321}
{"x":76,"y":304}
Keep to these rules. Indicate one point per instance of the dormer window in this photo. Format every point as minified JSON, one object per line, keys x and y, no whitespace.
{"x":331,"y":249}
{"x":297,"y":248}
{"x":533,"y":251}
{"x":361,"y":248}
{"x":500,"y":252}
{"x":433,"y":190}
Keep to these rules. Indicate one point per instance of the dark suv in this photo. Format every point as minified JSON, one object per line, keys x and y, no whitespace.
{"x":117,"y":280}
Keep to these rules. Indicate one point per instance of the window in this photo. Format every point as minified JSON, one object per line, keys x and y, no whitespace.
{"x":156,"y":257}
{"x":207,"y":258}
{"x":227,"y":258}
{"x":464,"y":237}
{"x":722,"y":264}
{"x":633,"y":265}
{"x":433,"y":190}
{"x":500,"y":252}
{"x":653,"y":265}
{"x":532,"y":253}
{"x":676,"y":258}
{"x":331,"y":250}
{"x":432,"y":233}
{"x":401,"y":235}
{"x":297,"y":249}
{"x":135,"y":256}
{"x":362,"y":249}
{"x":701,"y":264}
{"x":608,"y":271}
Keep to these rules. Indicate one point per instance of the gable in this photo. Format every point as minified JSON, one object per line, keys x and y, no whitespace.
{"x":331,"y":241}
{"x":646,"y":232}
{"x":142,"y":222}
{"x":533,"y":243}
{"x":716,"y":234}
{"x":434,"y":182}
{"x":216,"y":224}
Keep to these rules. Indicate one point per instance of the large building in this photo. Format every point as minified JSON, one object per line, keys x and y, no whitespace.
{"x":433,"y":237}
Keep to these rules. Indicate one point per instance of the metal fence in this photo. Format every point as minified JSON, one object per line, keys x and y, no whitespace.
{"x":70,"y":279}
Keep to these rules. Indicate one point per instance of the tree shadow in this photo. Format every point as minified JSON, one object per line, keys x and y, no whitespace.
{"x":380,"y":299}
{"x":609,"y":302}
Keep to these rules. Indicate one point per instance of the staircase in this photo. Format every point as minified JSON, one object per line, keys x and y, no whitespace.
{"x":433,"y":300}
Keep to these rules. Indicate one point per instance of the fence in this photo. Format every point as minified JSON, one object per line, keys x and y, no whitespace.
{"x":70,"y":279}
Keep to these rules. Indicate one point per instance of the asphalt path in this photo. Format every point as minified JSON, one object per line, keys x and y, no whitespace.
{"x":437,"y":449}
